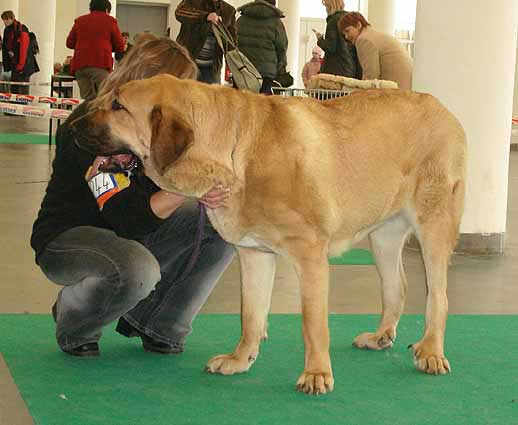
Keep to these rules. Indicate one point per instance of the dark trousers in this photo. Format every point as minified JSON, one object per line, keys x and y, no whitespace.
{"x":206,"y":75}
{"x":17,"y":77}
{"x":266,"y":88}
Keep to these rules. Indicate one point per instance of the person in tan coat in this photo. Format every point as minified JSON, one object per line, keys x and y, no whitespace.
{"x":381,"y":56}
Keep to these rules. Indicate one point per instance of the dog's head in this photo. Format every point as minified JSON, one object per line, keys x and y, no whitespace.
{"x":153,"y":119}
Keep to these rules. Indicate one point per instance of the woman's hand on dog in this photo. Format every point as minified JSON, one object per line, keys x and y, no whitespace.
{"x":216,"y":197}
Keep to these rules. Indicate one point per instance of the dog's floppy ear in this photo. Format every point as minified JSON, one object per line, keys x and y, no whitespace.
{"x":170,"y":136}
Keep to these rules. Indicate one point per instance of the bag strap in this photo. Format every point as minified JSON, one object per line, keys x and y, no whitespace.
{"x":223,"y":36}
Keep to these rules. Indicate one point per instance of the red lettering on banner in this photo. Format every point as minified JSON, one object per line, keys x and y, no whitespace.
{"x":46,"y":99}
{"x":60,"y":113}
{"x":70,"y":101}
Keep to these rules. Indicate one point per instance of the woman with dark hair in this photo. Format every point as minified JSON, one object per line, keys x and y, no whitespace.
{"x":340,"y":55}
{"x":94,"y":37}
{"x":119,"y":245}
{"x":381,"y":56}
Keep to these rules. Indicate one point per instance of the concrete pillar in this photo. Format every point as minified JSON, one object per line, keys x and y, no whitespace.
{"x":174,"y":25}
{"x":82,"y":7}
{"x":515,"y":108}
{"x":114,"y":8}
{"x":9,"y":5}
{"x":291,"y":9}
{"x":363,"y":8}
{"x":382,"y":15}
{"x":66,"y":10}
{"x":40,"y":17}
{"x":472,"y":74}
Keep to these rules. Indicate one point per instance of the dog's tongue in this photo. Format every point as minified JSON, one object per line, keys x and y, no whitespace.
{"x":94,"y":169}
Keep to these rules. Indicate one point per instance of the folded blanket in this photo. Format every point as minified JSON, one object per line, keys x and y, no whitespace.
{"x":335,"y":82}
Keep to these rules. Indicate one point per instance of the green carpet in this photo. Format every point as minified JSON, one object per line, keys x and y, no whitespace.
{"x":353,"y":257}
{"x":128,"y":386}
{"x":24,"y":139}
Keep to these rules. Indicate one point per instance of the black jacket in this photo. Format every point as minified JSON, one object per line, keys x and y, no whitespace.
{"x":195,"y":28}
{"x":69,"y":203}
{"x":262,"y":37}
{"x":340,"y":55}
{"x":22,"y":47}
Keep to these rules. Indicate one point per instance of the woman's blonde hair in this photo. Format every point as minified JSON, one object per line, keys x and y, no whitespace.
{"x":141,"y":37}
{"x":333,"y":6}
{"x":147,"y":59}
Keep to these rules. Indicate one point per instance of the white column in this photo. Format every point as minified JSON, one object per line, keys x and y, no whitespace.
{"x":174,"y":25}
{"x":363,"y":8}
{"x":9,"y":5}
{"x":515,"y":109}
{"x":382,"y":15}
{"x":40,"y":17}
{"x":66,"y":10}
{"x":472,"y":73}
{"x":291,"y":9}
{"x":82,"y":7}
{"x":114,"y":8}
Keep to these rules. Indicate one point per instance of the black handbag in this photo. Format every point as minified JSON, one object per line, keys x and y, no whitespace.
{"x":285,"y":79}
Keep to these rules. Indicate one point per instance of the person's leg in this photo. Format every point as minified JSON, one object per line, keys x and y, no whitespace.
{"x":98,"y":76}
{"x":86,"y":84}
{"x":167,"y":314}
{"x":205,"y":74}
{"x":19,"y":78}
{"x":103,"y":276}
{"x":266,"y":88}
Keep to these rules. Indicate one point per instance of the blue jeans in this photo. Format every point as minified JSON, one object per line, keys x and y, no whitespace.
{"x":206,"y":75}
{"x":106,"y":277}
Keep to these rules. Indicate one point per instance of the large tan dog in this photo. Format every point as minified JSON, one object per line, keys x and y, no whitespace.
{"x":308,"y":180}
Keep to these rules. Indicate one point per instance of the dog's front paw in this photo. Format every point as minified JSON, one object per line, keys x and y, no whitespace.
{"x":228,"y":364}
{"x":375,"y":341}
{"x":428,"y":360}
{"x":315,"y":383}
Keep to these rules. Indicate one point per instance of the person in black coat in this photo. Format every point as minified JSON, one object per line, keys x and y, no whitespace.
{"x":18,"y":56}
{"x":340,"y":55}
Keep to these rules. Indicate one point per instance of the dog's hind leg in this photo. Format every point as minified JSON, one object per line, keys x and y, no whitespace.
{"x":438,"y":205}
{"x":387,"y":244}
{"x":257,"y":276}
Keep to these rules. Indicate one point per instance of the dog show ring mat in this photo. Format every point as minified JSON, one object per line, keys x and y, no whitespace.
{"x":129,"y":386}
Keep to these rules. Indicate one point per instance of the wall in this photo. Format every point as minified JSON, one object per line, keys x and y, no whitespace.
{"x":65,"y":13}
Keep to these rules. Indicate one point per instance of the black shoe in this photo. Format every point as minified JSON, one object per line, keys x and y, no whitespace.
{"x":90,"y":349}
{"x":153,"y":346}
{"x":149,"y":344}
{"x":124,"y":328}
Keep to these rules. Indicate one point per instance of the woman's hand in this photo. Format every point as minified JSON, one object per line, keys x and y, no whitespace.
{"x":216,"y":197}
{"x":213,"y":17}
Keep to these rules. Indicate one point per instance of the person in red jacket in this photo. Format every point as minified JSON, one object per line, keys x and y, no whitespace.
{"x":15,"y":47}
{"x":94,"y":37}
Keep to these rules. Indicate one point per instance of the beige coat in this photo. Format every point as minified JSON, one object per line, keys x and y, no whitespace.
{"x":383,"y":57}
